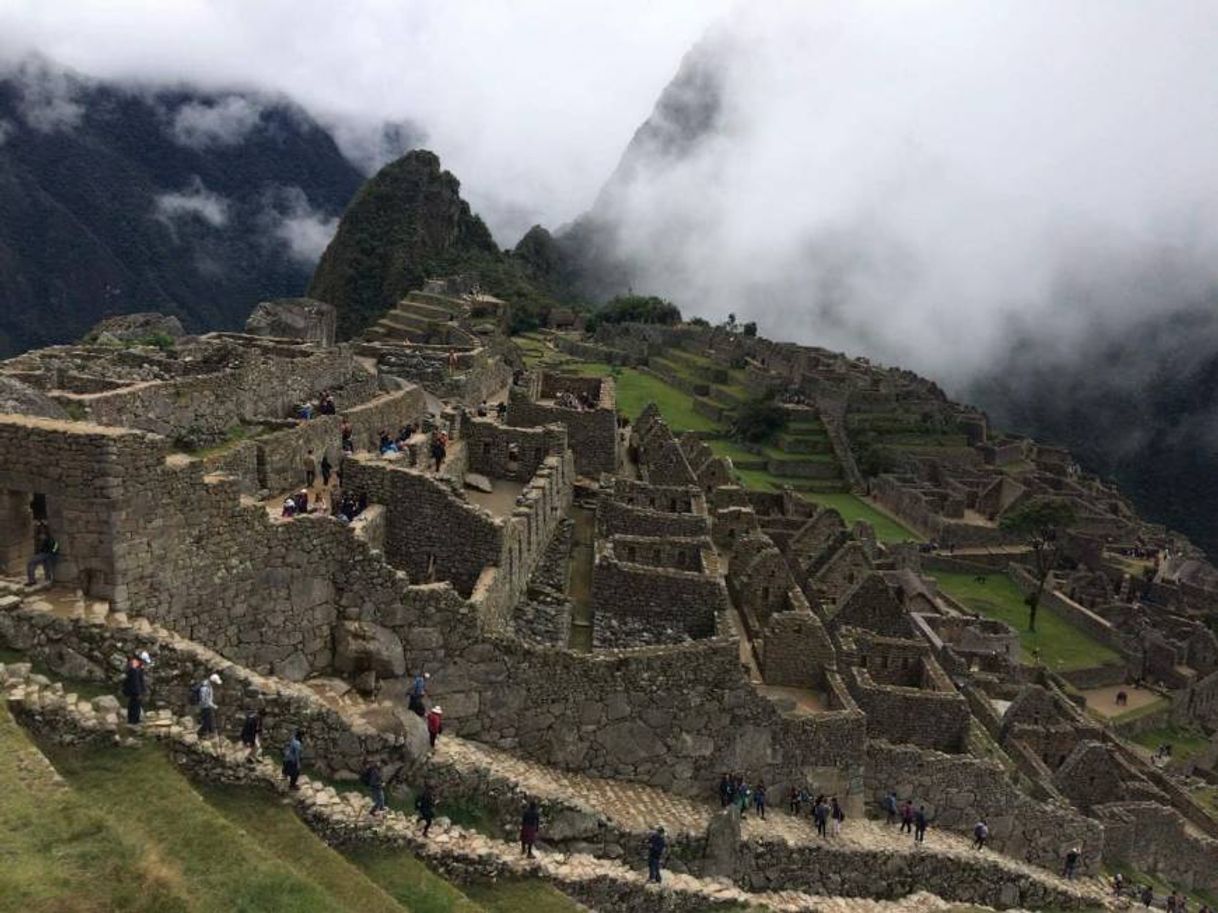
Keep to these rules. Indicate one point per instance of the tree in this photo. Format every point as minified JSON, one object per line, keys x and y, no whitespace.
{"x":759,"y":420}
{"x":750,"y":328}
{"x":1041,"y":524}
{"x":638,"y":309}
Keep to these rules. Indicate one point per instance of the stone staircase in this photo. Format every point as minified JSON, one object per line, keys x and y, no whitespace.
{"x":415,"y":317}
{"x":344,"y":817}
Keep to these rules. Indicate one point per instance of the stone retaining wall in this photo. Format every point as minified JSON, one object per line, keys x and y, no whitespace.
{"x":958,"y":790}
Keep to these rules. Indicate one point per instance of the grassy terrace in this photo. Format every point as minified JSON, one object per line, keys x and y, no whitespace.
{"x":1184,"y":742}
{"x":636,"y":389}
{"x":125,"y":830}
{"x":1062,"y":646}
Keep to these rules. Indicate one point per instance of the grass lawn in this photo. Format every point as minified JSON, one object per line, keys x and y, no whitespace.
{"x":521,"y":897}
{"x":854,"y":508}
{"x":636,"y":389}
{"x":59,"y":853}
{"x":1062,"y":646}
{"x":1184,"y":742}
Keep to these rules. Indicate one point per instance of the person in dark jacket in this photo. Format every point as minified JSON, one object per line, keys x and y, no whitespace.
{"x":656,"y":845}
{"x":1072,"y":859}
{"x":726,"y":791}
{"x":907,"y":817}
{"x":920,"y":824}
{"x":251,"y":736}
{"x":135,"y":687}
{"x":45,"y":555}
{"x":375,"y":781}
{"x":292,"y":753}
{"x":438,"y":452}
{"x":890,"y":807}
{"x":530,"y":824}
{"x":326,"y":468}
{"x":425,"y":805}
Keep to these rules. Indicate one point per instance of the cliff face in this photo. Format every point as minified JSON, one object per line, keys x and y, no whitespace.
{"x":407,"y":223}
{"x":116,"y":199}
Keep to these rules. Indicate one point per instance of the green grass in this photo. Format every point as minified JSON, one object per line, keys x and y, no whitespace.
{"x":60,"y":854}
{"x":1184,"y":742}
{"x":521,"y":897}
{"x":414,"y":886}
{"x":216,"y":861}
{"x":1062,"y":646}
{"x":854,"y":508}
{"x":636,"y":389}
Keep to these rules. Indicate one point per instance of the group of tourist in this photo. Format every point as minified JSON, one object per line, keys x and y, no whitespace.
{"x":500,"y":409}
{"x":580,"y":402}
{"x":324,"y":406}
{"x":733,"y":790}
{"x":1175,"y":902}
{"x":913,"y":821}
{"x":416,"y":700}
{"x":396,"y":444}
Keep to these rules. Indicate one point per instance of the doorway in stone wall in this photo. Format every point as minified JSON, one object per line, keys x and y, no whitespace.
{"x":20,"y":512}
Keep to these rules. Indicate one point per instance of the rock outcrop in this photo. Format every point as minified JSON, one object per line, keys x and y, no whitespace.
{"x":294,"y":318}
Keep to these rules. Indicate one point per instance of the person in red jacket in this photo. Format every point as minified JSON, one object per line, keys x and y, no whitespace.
{"x":435,"y":724}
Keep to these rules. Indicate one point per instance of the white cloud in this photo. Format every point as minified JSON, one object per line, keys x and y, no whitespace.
{"x":47,"y":101}
{"x":529,"y":103}
{"x":225,"y":122}
{"x":194,"y":202}
{"x":303,"y":230}
{"x":7,"y":129}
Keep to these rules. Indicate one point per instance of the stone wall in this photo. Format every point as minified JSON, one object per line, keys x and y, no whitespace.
{"x":958,"y":790}
{"x":1096,"y":627}
{"x":796,"y":650}
{"x":591,"y":433}
{"x":267,"y":381}
{"x":613,"y":518}
{"x":492,"y":446}
{"x":929,"y":719}
{"x":1158,"y":841}
{"x":656,"y":596}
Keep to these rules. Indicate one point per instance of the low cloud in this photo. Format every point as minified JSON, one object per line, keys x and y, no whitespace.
{"x":195,"y":202}
{"x":47,"y":96}
{"x":7,"y":129}
{"x":225,"y":122}
{"x":292,"y":220}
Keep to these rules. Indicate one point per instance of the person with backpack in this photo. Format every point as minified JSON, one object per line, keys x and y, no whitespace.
{"x":375,"y":781}
{"x":134,"y":688}
{"x":657,"y":844}
{"x":45,"y":555}
{"x":425,"y":805}
{"x":907,"y":817}
{"x":435,"y":725}
{"x":418,"y":691}
{"x":530,"y":824}
{"x":251,"y":736}
{"x":920,"y":825}
{"x":981,"y":833}
{"x":204,"y":695}
{"x":890,"y":807}
{"x":292,"y":753}
{"x":1072,"y":858}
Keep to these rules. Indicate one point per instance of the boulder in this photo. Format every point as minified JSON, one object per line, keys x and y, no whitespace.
{"x":721,"y":856}
{"x":361,"y":646}
{"x":17,"y":398}
{"x":479,"y":482}
{"x":67,"y":663}
{"x":294,"y":318}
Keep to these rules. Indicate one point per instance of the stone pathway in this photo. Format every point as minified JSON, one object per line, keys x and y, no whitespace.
{"x":345,"y":816}
{"x":637,"y":808}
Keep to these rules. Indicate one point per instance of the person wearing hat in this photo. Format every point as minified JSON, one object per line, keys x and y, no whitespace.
{"x":1072,"y":858}
{"x":656,"y":846}
{"x":135,"y":687}
{"x":435,"y":724}
{"x":207,"y":706}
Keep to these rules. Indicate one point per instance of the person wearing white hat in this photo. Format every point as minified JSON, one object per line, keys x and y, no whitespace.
{"x":145,"y":658}
{"x":207,"y":706}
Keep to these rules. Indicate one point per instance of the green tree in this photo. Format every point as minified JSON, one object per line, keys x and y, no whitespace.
{"x":750,"y":328}
{"x":759,"y":420}
{"x":1040,"y":524}
{"x":638,"y":309}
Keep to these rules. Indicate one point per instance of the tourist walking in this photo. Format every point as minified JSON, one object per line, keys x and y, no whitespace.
{"x":530,"y":823}
{"x":656,"y":846}
{"x":251,"y":736}
{"x":425,"y":805}
{"x":326,"y":469}
{"x":793,"y":801}
{"x":1072,"y":858}
{"x":759,"y":800}
{"x":920,"y":825}
{"x":207,"y":705}
{"x":292,"y":753}
{"x":838,"y":814}
{"x":907,"y":817}
{"x":742,"y":796}
{"x":438,"y":451}
{"x":418,"y":691}
{"x":435,"y":724}
{"x":375,"y":781}
{"x":890,"y":806}
{"x":820,"y":812}
{"x":981,"y":833}
{"x":310,"y":468}
{"x":134,"y":687}
{"x":726,"y":792}
{"x":46,"y":553}
{"x":1148,"y":896}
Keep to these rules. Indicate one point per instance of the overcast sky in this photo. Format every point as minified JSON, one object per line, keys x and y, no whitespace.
{"x":920,"y":181}
{"x":528,"y":102}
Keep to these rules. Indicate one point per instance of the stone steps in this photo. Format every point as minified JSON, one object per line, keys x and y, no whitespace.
{"x":346,"y":816}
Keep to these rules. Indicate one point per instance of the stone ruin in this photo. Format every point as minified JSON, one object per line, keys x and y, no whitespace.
{"x":602,"y":611}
